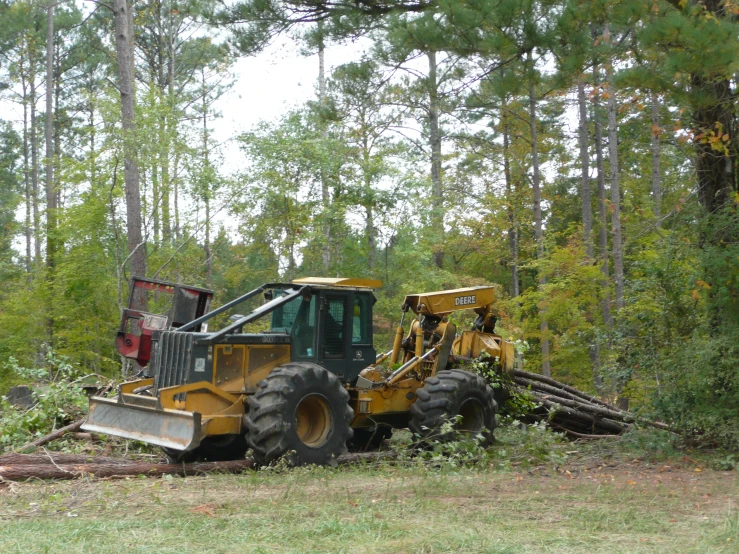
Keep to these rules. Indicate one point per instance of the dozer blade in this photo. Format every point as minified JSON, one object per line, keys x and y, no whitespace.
{"x":168,"y":428}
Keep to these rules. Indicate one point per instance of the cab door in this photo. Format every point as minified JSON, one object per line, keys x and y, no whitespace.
{"x":361,"y":350}
{"x":333,"y":338}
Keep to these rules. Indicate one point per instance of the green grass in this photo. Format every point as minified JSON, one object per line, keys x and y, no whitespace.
{"x":532,"y":493}
{"x":387,"y":509}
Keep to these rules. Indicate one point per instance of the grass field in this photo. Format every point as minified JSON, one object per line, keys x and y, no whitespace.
{"x":595,"y":501}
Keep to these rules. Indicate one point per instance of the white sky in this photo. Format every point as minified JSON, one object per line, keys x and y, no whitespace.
{"x":270,"y":84}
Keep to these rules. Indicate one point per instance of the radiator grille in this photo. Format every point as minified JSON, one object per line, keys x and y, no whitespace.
{"x":173,"y":359}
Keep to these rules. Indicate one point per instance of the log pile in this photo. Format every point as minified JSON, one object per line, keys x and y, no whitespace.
{"x":574,"y":412}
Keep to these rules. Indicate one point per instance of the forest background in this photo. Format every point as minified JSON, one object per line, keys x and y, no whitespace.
{"x":580,"y":154}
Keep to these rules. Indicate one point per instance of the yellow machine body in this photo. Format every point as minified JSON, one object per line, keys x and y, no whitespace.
{"x":180,"y":417}
{"x":442,"y":303}
{"x":386,"y":397}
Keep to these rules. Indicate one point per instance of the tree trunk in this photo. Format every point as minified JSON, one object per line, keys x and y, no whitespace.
{"x":164,"y":129}
{"x":325,"y":195}
{"x":437,"y":219}
{"x":371,"y":238}
{"x":34,"y":173}
{"x":618,"y":257}
{"x":543,"y":325}
{"x":156,"y":198}
{"x":124,"y":57}
{"x":206,"y":183}
{"x":512,"y":228}
{"x":602,"y":217}
{"x":176,"y":191}
{"x":587,"y":209}
{"x":91,"y":130}
{"x":656,"y":152}
{"x":164,"y":183}
{"x":57,"y":135}
{"x":27,"y":177}
{"x":370,"y":229}
{"x":49,"y":163}
{"x":716,"y":169}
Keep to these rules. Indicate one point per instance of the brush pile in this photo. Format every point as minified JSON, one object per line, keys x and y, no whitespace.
{"x":572,"y":411}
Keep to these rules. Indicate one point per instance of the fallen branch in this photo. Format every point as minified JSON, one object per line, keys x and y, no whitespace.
{"x":72,"y":427}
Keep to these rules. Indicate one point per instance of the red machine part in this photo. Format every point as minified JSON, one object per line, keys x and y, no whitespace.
{"x":134,"y":337}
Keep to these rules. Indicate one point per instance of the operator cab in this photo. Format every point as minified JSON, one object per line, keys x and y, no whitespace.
{"x":330,"y":325}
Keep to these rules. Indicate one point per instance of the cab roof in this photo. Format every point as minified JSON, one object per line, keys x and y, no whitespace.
{"x":340,"y":282}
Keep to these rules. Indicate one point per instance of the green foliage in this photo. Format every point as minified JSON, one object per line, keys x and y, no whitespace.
{"x":516,"y":404}
{"x":531,"y":445}
{"x":59,"y":400}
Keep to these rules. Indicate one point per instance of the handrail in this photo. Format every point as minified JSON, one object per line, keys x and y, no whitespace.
{"x":220,"y":310}
{"x":262,"y":310}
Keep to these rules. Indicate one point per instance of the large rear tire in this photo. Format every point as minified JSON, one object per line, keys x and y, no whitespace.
{"x":300,"y":410}
{"x":449,"y":394}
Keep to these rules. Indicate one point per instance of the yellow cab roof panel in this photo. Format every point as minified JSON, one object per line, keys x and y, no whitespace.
{"x":340,"y":282}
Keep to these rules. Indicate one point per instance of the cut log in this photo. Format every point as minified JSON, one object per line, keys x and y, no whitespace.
{"x":596,"y":421}
{"x":51,"y":458}
{"x":589,"y":408}
{"x":543,"y":387}
{"x":15,"y":472}
{"x":68,"y":471}
{"x":53,"y":436}
{"x":553,"y":382}
{"x":546,"y":392}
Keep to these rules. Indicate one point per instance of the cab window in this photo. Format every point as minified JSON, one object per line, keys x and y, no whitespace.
{"x":284,"y":316}
{"x":304,"y":329}
{"x":333,"y":336}
{"x":362,"y":319}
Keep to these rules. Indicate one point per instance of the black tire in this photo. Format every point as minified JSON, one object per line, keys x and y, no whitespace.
{"x":223,"y":448}
{"x":454,"y":393}
{"x":366,"y":439}
{"x":301,"y":409}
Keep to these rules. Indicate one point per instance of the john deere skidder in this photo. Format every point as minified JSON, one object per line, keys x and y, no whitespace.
{"x":311,"y":384}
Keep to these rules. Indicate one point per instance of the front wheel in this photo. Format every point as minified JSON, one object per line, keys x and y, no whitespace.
{"x":301,"y":410}
{"x":459,"y":395}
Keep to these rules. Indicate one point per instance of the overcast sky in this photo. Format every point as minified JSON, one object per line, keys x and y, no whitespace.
{"x":270,"y":84}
